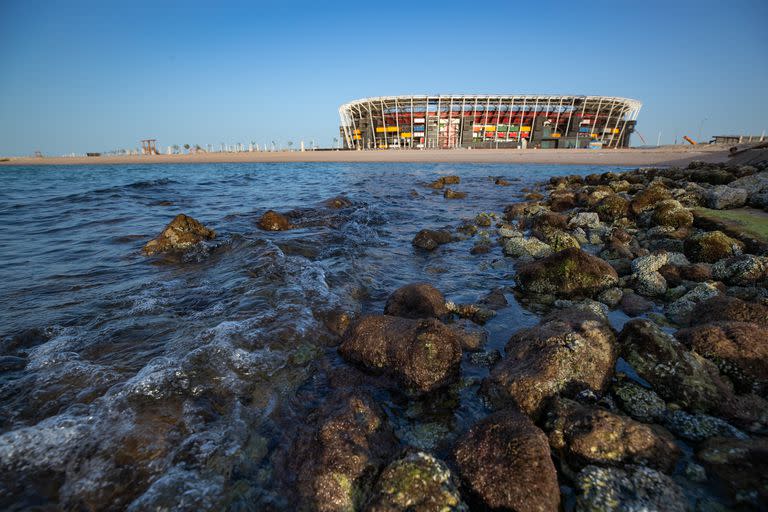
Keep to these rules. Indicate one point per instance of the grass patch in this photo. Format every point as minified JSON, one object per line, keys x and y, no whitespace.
{"x":747,"y":220}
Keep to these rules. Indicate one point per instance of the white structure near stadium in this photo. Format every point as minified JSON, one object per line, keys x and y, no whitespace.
{"x":488,"y":121}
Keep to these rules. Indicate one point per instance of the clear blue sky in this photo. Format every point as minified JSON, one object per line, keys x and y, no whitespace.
{"x":81,"y":76}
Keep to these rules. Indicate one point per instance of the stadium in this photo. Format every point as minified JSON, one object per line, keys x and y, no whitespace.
{"x":488,"y":121}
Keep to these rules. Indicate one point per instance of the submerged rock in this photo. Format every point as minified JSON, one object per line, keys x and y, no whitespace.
{"x":505,"y":462}
{"x":337,"y":203}
{"x":274,"y":221}
{"x":570,"y":350}
{"x":416,"y":482}
{"x":429,"y":239}
{"x":632,"y":488}
{"x":742,"y":465}
{"x":420,"y":300}
{"x":453,"y":194}
{"x":179,"y":235}
{"x":422,"y":355}
{"x":445,"y":180}
{"x":568,"y":273}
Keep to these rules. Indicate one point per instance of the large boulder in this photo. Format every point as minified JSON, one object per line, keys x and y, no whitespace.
{"x":347,"y":441}
{"x":569,"y":351}
{"x":526,"y":247}
{"x":672,"y":214}
{"x":612,"y":207}
{"x":721,"y":197}
{"x":567,"y":273}
{"x":743,"y":270}
{"x":416,"y":482}
{"x":445,"y":180}
{"x":742,"y":465}
{"x":584,"y":220}
{"x":632,"y":488}
{"x":722,"y":308}
{"x":274,"y":221}
{"x":681,"y":309}
{"x":430,"y":239}
{"x":505,"y":462}
{"x":181,"y":234}
{"x":419,"y":300}
{"x":422,"y":355}
{"x":648,"y":198}
{"x":592,"y":435}
{"x":712,"y":246}
{"x":739,"y":349}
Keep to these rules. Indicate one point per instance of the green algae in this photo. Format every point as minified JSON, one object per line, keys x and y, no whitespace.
{"x":746,"y":220}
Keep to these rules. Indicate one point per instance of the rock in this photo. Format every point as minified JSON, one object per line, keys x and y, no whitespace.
{"x":570,"y":350}
{"x":420,"y":300}
{"x":422,"y":355}
{"x":739,"y":349}
{"x":416,"y":482}
{"x":568,"y":273}
{"x":635,"y":305}
{"x":179,"y":235}
{"x":495,"y":299}
{"x":349,"y":440}
{"x":698,"y":427}
{"x":648,"y":199}
{"x":524,"y":247}
{"x":505,"y":462}
{"x":711,"y":247}
{"x":592,"y":435}
{"x":584,"y":220}
{"x":509,"y":232}
{"x":743,"y":270}
{"x":453,"y":194}
{"x":611,"y":297}
{"x":723,"y":309}
{"x":478,"y":314}
{"x":681,"y":309}
{"x":533,"y":196}
{"x":591,"y":306}
{"x":545,"y":221}
{"x":558,"y":240}
{"x":632,"y":488}
{"x":742,"y":465}
{"x":671,"y":213}
{"x":522,"y":210}
{"x":445,"y":180}
{"x":274,"y":221}
{"x":480,"y":248}
{"x":337,"y":203}
{"x":620,"y":185}
{"x":648,"y":281}
{"x":721,"y":197}
{"x":502,"y":182}
{"x":639,"y":402}
{"x":429,"y":239}
{"x":472,"y":336}
{"x":612,"y":207}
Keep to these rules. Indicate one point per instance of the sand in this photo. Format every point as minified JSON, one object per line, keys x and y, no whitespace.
{"x":665,"y":155}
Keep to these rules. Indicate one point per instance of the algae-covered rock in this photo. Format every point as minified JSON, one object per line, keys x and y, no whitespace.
{"x":722,"y":308}
{"x":639,"y":402}
{"x":629,"y":489}
{"x":698,"y":427}
{"x":681,"y":309}
{"x":592,"y":435}
{"x":584,"y":220}
{"x":274,"y":221}
{"x":743,"y":270}
{"x":712,"y":246}
{"x":445,"y":180}
{"x":181,"y":234}
{"x":671,"y":213}
{"x":430,"y":239}
{"x":558,"y":240}
{"x":418,"y":300}
{"x":416,"y":482}
{"x":422,"y":355}
{"x":567,"y":273}
{"x":454,"y":194}
{"x":569,"y":351}
{"x":612,"y":207}
{"x":648,"y":198}
{"x":505,"y":462}
{"x":742,"y":465}
{"x":525,"y":247}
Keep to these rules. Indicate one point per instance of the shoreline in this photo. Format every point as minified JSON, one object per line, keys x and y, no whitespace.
{"x":664,"y":156}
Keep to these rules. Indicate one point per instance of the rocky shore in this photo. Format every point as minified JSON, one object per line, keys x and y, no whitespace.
{"x":643,"y":386}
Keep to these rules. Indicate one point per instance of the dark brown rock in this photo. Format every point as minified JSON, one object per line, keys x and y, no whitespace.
{"x":592,"y":435}
{"x":422,"y":355}
{"x":569,"y":351}
{"x":648,"y":198}
{"x":274,"y":221}
{"x":505,"y":462}
{"x":445,"y":180}
{"x":567,"y":273}
{"x":502,"y":182}
{"x":179,"y":235}
{"x":723,"y":309}
{"x":612,"y":207}
{"x":337,"y":202}
{"x":742,"y":465}
{"x":430,"y":239}
{"x":419,"y":300}
{"x":453,"y":194}
{"x":634,"y":305}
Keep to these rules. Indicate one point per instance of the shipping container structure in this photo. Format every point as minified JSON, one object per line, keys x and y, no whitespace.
{"x":488,"y":121}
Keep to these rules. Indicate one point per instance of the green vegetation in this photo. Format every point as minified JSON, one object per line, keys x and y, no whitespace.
{"x":747,"y":220}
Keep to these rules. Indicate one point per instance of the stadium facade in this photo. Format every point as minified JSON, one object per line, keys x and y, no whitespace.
{"x":488,"y":121}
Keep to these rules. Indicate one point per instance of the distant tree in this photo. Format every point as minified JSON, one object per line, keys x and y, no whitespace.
{"x":336,"y":141}
{"x":186,"y":146}
{"x":290,"y":144}
{"x":175,"y":148}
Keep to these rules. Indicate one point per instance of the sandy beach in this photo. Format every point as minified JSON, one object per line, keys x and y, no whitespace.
{"x":665,"y":155}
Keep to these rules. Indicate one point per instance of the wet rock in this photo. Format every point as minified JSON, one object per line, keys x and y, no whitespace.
{"x":181,"y":234}
{"x":568,"y":273}
{"x":416,"y":482}
{"x":505,"y":462}
{"x":681,"y":309}
{"x":611,"y":297}
{"x":612,"y":207}
{"x":591,"y":306}
{"x":649,"y":284}
{"x":348,"y":441}
{"x":742,"y":465}
{"x":495,"y":299}
{"x":592,"y":435}
{"x":525,"y":247}
{"x":675,"y":373}
{"x":274,"y":221}
{"x":698,"y":427}
{"x":558,"y":240}
{"x":632,"y":488}
{"x":721,"y":197}
{"x":485,"y":358}
{"x":634,"y":305}
{"x":445,"y":180}
{"x":671,"y":213}
{"x":545,"y":221}
{"x":337,"y":203}
{"x":723,"y":309}
{"x":472,"y":336}
{"x":419,"y":300}
{"x":422,"y":355}
{"x":584,"y":220}
{"x":570,"y":350}
{"x":430,"y":239}
{"x":480,"y":248}
{"x":639,"y":402}
{"x":12,"y":363}
{"x":648,"y":199}
{"x":502,"y":182}
{"x":739,"y":349}
{"x":743,"y":270}
{"x":711,"y":247}
{"x":453,"y":194}
{"x":533,"y":196}
{"x":478,"y":314}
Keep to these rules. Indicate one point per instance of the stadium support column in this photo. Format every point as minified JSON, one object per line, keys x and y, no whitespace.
{"x":485,"y":118}
{"x":384,"y":124}
{"x":412,"y":132}
{"x":616,"y":127}
{"x":520,"y":124}
{"x":437,"y":138}
{"x":370,"y":118}
{"x":608,"y":122}
{"x":597,"y":116}
{"x":509,"y":117}
{"x":584,"y":101}
{"x":452,"y":141}
{"x":533,"y":121}
{"x":570,"y":117}
{"x":557,"y":121}
{"x":354,"y":130}
{"x":461,"y":122}
{"x":397,"y":123}
{"x":474,"y":115}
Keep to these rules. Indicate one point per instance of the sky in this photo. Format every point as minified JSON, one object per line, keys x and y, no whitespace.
{"x":81,"y":76}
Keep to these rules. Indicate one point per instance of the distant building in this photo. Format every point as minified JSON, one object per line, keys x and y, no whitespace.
{"x":488,"y":121}
{"x":736,"y":139}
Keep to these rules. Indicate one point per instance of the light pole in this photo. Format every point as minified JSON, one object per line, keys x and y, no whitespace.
{"x":701,"y":125}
